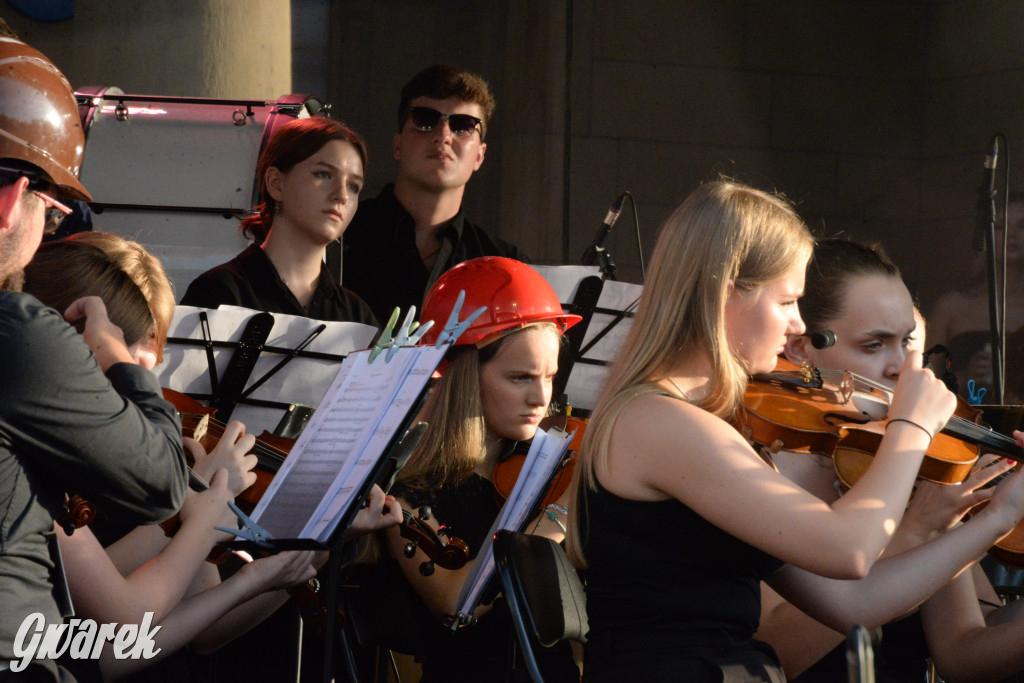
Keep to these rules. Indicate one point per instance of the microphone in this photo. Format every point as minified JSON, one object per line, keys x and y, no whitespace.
{"x":590,"y":255}
{"x":822,"y":340}
{"x":987,"y":196}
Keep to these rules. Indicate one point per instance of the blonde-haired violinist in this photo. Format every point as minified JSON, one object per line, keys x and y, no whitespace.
{"x":676,"y":518}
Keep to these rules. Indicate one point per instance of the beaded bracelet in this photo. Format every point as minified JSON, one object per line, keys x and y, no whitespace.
{"x":909,"y":422}
{"x":552,"y":511}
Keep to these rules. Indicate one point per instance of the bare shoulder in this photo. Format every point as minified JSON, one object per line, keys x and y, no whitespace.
{"x":661,"y":447}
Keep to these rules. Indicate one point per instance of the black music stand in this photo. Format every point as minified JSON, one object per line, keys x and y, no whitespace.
{"x":229,"y":358}
{"x":607,"y":308}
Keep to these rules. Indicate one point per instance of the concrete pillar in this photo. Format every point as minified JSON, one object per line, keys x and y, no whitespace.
{"x":200,"y":48}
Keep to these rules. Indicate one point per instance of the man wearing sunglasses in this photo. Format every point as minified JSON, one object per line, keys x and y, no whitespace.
{"x":77,"y":415}
{"x":401,"y":241}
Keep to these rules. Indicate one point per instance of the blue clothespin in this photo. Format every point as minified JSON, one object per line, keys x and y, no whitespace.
{"x":974,"y":396}
{"x":250,"y":531}
{"x":384,"y":341}
{"x":453,"y":328}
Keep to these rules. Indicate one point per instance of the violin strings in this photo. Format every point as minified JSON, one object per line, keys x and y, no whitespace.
{"x":962,"y":426}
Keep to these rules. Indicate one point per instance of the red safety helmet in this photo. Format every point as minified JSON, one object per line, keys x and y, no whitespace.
{"x":39,"y":119}
{"x":515,"y":295}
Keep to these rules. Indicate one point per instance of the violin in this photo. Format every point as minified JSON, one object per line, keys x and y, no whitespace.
{"x":845,"y":419}
{"x":507,"y":471}
{"x":199,"y":423}
{"x":787,"y":402}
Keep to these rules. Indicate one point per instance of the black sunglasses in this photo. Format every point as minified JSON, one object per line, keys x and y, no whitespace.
{"x":426,"y":119}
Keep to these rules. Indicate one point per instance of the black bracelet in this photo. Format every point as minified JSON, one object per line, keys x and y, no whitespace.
{"x":909,"y":422}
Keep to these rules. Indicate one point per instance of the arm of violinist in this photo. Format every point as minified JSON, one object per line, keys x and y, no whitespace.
{"x":101,"y":593}
{"x":550,"y":521}
{"x":196,"y":613}
{"x":798,"y":640}
{"x":137,"y":547}
{"x":898,"y":583}
{"x":439,"y":591}
{"x":230,"y":454}
{"x":962,"y":646}
{"x":697,"y":458}
{"x":242,"y":618}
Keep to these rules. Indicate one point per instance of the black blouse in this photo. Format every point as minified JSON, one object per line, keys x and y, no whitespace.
{"x":250,"y":280}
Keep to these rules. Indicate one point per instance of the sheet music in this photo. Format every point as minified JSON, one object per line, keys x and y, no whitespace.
{"x":326,"y":469}
{"x":544,"y":456}
{"x":417,"y":372}
{"x":302,"y":380}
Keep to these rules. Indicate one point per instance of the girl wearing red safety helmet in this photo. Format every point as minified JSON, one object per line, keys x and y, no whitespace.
{"x":493,"y":394}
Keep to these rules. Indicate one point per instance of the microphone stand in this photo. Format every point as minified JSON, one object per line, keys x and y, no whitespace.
{"x":987,"y":204}
{"x":994,"y":317}
{"x":605,"y":263}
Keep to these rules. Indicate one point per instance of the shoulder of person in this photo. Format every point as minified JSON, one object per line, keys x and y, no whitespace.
{"x":26,"y":317}
{"x":659,"y":417}
{"x":35,"y":339}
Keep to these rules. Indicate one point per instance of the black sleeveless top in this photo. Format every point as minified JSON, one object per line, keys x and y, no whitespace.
{"x":670,"y":596}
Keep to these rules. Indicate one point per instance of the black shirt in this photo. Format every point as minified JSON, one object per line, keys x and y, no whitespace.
{"x":250,"y":280}
{"x":380,"y":261}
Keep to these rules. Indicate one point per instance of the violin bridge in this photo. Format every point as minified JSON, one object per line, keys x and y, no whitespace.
{"x":199,"y":433}
{"x":846,"y":387}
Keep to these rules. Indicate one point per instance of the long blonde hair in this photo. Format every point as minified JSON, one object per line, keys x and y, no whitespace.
{"x":456,"y":438}
{"x":723,"y":233}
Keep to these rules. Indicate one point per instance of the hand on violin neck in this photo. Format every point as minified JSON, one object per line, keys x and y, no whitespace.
{"x":936,"y":508}
{"x":232,"y":453}
{"x":279,"y":571}
{"x":381,"y":511}
{"x":920,"y":397}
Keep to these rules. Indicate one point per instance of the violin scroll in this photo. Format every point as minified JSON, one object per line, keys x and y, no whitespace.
{"x":452,"y":554}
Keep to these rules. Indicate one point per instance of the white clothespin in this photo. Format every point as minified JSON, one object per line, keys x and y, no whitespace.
{"x":453,"y":328}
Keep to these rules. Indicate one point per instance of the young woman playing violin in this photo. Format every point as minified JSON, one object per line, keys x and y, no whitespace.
{"x":145,"y":571}
{"x":679,"y":519}
{"x":857,"y":293}
{"x":493,"y":393}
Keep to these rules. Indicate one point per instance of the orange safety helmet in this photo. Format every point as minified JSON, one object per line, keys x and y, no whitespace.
{"x":515,"y":295}
{"x":39,"y":119}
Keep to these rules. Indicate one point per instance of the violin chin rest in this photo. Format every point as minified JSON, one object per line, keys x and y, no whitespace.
{"x":874,"y":407}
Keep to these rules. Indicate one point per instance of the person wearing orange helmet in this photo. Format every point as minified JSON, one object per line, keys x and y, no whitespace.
{"x":492,"y":394}
{"x":77,"y":414}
